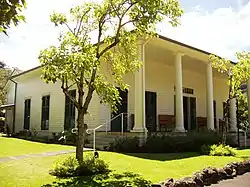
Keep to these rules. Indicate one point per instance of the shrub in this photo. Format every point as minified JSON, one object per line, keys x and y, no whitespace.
{"x":125,"y":144}
{"x":34,"y":132}
{"x":222,"y":150}
{"x":25,"y":133}
{"x":168,"y":143}
{"x":70,"y":167}
{"x":205,"y":149}
{"x":91,"y":166}
{"x":189,"y":142}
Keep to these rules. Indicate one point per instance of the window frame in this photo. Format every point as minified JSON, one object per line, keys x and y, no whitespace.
{"x":45,"y":113}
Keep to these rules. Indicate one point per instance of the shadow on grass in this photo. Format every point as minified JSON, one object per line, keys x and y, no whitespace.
{"x":108,"y":180}
{"x":164,"y":156}
{"x":243,"y":157}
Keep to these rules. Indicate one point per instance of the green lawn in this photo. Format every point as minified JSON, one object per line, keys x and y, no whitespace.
{"x":133,"y":168}
{"x":14,"y":147}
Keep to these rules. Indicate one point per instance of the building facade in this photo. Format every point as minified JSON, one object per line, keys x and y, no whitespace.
{"x":176,"y":89}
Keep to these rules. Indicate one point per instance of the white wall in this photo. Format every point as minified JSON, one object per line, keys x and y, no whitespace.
{"x":160,"y":78}
{"x":30,"y":86}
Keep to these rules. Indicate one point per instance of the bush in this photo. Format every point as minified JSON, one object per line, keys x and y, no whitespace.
{"x":125,"y":144}
{"x":205,"y":149}
{"x":189,"y":142}
{"x":70,"y":167}
{"x":25,"y":133}
{"x":222,"y":150}
{"x":167,"y":143}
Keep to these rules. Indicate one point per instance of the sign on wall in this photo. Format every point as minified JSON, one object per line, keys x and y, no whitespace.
{"x":186,"y":90}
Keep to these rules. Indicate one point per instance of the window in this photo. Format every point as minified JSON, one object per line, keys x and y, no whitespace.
{"x":27,"y":114}
{"x":45,"y":112}
{"x":69,"y":115}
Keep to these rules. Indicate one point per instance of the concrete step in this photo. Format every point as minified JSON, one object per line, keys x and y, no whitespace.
{"x":103,"y":139}
{"x":242,"y":142}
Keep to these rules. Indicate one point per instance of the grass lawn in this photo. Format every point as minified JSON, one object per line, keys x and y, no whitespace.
{"x":14,"y":147}
{"x":133,"y":168}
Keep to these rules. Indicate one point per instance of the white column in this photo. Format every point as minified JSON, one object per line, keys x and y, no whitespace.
{"x":179,"y":124}
{"x":233,"y":116}
{"x":140,"y":94}
{"x":248,"y":98}
{"x":210,"y":112}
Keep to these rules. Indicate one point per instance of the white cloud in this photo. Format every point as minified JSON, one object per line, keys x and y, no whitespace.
{"x":223,"y":31}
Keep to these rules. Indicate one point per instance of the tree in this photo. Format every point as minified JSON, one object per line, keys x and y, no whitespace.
{"x":237,"y":74}
{"x":4,"y":75}
{"x":243,"y":111}
{"x":10,"y":13}
{"x":118,"y":25}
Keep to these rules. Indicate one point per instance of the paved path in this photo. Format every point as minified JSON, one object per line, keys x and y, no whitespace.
{"x":4,"y":159}
{"x":239,"y":181}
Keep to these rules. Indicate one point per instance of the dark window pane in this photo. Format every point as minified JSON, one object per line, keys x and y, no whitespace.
{"x":69,"y":114}
{"x":45,"y":112}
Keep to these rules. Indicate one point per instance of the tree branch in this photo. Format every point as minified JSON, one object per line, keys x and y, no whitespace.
{"x":79,"y":27}
{"x":69,"y":28}
{"x":88,"y":99}
{"x":120,"y":25}
{"x":66,"y":92}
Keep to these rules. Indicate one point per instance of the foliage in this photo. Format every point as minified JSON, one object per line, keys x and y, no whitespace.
{"x":70,"y":167}
{"x":243,"y":111}
{"x":222,"y":150}
{"x":125,"y":144}
{"x":205,"y":149}
{"x":65,"y":168}
{"x":10,"y":13}
{"x":237,"y":74}
{"x":191,"y":142}
{"x":4,"y":75}
{"x":34,"y":131}
{"x":24,"y":133}
{"x":77,"y":62}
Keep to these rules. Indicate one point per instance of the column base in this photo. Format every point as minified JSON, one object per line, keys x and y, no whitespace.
{"x":142,"y":134}
{"x":179,"y":129}
{"x":139,"y":129}
{"x":211,"y":129}
{"x":233,"y":130}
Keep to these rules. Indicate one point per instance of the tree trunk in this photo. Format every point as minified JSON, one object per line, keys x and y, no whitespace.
{"x":80,"y":136}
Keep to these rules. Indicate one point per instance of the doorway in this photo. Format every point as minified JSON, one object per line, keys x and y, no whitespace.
{"x":27,"y":114}
{"x":150,"y":110}
{"x":189,"y":110}
{"x":116,"y":124}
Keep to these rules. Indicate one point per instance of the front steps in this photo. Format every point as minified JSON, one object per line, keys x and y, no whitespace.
{"x":103,"y":139}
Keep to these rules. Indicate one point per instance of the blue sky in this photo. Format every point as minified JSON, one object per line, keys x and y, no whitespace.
{"x":221,"y":27}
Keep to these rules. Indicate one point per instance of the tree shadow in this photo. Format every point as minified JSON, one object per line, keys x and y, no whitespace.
{"x":110,"y":180}
{"x":243,"y":157}
{"x":164,"y":156}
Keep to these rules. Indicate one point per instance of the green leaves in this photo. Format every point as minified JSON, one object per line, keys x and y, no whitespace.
{"x":58,"y":19}
{"x":238,"y":74}
{"x":10,"y":13}
{"x":101,"y":67}
{"x":4,"y":75}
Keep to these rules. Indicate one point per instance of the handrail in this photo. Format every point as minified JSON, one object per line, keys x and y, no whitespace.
{"x":74,"y":130}
{"x":106,"y":125}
